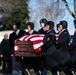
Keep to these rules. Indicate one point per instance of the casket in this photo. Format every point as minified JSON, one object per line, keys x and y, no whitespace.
{"x":25,"y":49}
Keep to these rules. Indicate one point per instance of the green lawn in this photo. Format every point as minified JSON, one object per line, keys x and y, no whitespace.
{"x":33,"y":73}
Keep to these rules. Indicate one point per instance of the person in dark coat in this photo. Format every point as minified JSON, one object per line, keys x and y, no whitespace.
{"x":6,"y":55}
{"x":42,"y":24}
{"x":49,"y":51}
{"x":16,"y":34}
{"x":73,"y":49}
{"x":30,"y":27}
{"x":13,"y":36}
{"x":36,"y":61}
{"x":63,"y":47}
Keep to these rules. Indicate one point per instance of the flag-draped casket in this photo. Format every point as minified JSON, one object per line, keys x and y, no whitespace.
{"x":27,"y":49}
{"x":28,"y":46}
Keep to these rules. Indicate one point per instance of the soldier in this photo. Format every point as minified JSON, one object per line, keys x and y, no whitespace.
{"x":16,"y":34}
{"x":73,"y":49}
{"x":49,"y":51}
{"x":13,"y":36}
{"x":43,"y":31}
{"x":30,"y":27}
{"x":36,"y":61}
{"x":43,"y":24}
{"x":63,"y":48}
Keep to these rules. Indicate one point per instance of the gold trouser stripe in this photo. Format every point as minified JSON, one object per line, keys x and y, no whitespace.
{"x":73,"y":73}
{"x":58,"y":73}
{"x":39,"y":72}
{"x":28,"y":71}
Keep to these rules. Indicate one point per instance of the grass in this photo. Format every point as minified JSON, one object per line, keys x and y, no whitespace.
{"x":31,"y":70}
{"x":33,"y":73}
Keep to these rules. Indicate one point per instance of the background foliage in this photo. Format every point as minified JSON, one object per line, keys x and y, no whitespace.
{"x":13,"y":10}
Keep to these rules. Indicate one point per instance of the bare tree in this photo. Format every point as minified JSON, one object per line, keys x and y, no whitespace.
{"x":49,"y":9}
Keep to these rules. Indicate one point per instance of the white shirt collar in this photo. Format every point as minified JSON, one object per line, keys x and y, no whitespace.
{"x":62,"y":31}
{"x":17,"y":32}
{"x":31,"y":31}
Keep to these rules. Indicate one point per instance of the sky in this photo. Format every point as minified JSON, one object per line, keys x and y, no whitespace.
{"x":33,"y":5}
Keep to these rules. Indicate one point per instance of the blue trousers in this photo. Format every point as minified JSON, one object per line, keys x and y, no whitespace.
{"x":44,"y":71}
{"x":15,"y":72}
{"x":54,"y":72}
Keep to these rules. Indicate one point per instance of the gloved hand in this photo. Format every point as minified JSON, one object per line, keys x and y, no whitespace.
{"x":1,"y":55}
{"x":42,"y":49}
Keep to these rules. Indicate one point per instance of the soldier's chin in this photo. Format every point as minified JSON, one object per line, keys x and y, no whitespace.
{"x":15,"y":29}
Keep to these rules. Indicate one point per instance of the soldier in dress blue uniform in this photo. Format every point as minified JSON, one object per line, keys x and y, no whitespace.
{"x":63,"y":48}
{"x":43,"y":22}
{"x":16,"y":34}
{"x":73,"y":49}
{"x":13,"y":36}
{"x":36,"y":61}
{"x":73,"y":52}
{"x":49,"y":51}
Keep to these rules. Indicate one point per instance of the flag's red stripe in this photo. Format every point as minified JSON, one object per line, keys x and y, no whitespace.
{"x":35,"y":37}
{"x":15,"y":51}
{"x":37,"y":50}
{"x":25,"y":37}
{"x":15,"y":44}
{"x":37,"y":42}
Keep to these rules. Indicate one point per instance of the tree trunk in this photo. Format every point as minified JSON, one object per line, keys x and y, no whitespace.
{"x":75,"y":7}
{"x":75,"y":13}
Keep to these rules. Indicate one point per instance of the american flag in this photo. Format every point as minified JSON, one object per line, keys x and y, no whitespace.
{"x":36,"y":39}
{"x":57,"y":36}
